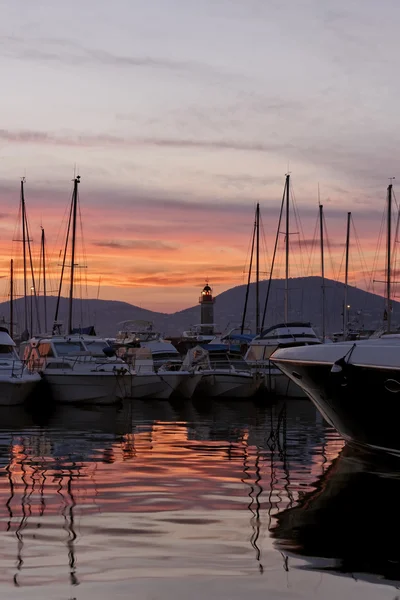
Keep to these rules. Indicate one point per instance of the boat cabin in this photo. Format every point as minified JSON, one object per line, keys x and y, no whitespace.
{"x":43,"y":352}
{"x":283,"y":335}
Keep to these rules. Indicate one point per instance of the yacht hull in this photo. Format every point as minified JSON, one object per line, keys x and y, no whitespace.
{"x":188,"y":385}
{"x":279,"y":384}
{"x":228,"y":385}
{"x":96,"y":388}
{"x":361,"y":401}
{"x":16,"y":390}
{"x":150,"y":386}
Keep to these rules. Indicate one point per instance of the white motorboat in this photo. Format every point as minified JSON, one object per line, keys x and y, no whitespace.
{"x":279,"y":336}
{"x":17,"y":381}
{"x":79,"y":368}
{"x":164,"y":360}
{"x":223,"y":374}
{"x":146,"y":382}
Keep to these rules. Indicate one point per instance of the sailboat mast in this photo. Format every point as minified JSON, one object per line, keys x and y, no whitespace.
{"x":73,"y":243}
{"x":11,"y":298}
{"x":287,"y":249}
{"x":43,"y":254}
{"x":23,"y":217}
{"x":321,"y":230}
{"x":248,"y":277}
{"x":258,"y":268}
{"x":346,"y":277}
{"x":389,"y":244}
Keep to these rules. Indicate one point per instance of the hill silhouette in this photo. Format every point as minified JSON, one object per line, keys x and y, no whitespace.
{"x":304,"y":304}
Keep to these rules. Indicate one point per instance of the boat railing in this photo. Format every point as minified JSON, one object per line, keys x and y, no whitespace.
{"x":229,"y":363}
{"x":17,"y":367}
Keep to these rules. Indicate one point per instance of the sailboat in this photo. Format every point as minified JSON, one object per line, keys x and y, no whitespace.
{"x":281,"y":335}
{"x":79,"y":368}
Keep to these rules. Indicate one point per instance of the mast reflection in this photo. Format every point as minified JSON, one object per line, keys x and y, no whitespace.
{"x":146,"y":461}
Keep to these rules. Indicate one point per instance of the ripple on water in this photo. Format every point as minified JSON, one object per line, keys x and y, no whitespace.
{"x":152,"y":490}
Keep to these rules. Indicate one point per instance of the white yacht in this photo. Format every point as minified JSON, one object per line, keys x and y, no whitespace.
{"x":199,"y":334}
{"x":223,"y":374}
{"x":162,"y":359}
{"x":79,"y":368}
{"x":146,"y":381}
{"x":283,"y":335}
{"x":17,"y":382}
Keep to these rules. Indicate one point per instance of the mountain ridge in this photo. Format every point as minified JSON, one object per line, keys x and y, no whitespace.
{"x":305,"y":304}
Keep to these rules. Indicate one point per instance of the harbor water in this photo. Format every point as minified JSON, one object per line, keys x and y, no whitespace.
{"x":152,"y":500}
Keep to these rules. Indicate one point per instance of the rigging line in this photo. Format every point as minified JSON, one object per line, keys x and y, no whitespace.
{"x":264,"y":252}
{"x":330,"y":251}
{"x":273,"y":257}
{"x":378,"y":249}
{"x":264,"y":244}
{"x":84,"y":261}
{"x":63,"y":263}
{"x":394,"y":252}
{"x":55,"y":254}
{"x":395,"y":199}
{"x":32,"y":273}
{"x":300,"y":265}
{"x":248,"y":279}
{"x":313,"y":246}
{"x":363,"y":262}
{"x":342,"y":260}
{"x":245,"y":269}
{"x":298,"y":223}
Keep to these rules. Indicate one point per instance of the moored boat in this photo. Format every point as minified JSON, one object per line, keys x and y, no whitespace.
{"x":282,"y":335}
{"x":17,"y":381}
{"x":355,"y":386}
{"x":223,"y":374}
{"x":78,"y":368}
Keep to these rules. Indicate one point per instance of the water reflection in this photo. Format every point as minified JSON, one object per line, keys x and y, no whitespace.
{"x":152,"y":488}
{"x":349,"y":524}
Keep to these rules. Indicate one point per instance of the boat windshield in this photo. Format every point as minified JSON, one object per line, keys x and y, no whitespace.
{"x":66,"y":348}
{"x":7,"y":351}
{"x":96,"y":347}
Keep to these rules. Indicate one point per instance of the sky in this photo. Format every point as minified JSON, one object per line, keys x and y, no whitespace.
{"x":179,"y":117}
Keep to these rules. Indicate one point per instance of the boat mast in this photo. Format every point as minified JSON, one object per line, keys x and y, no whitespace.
{"x":278,"y":232}
{"x":287,"y":250}
{"x":62,"y":270}
{"x":27,"y":241}
{"x":321,"y":231}
{"x":71,"y":288}
{"x":24,"y":252}
{"x":346,"y":276}
{"x":389,"y":243}
{"x":249,"y":277}
{"x":11,"y":298}
{"x":258,"y":268}
{"x":43,"y":256}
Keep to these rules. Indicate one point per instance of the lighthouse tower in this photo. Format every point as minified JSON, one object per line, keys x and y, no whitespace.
{"x":206,"y":302}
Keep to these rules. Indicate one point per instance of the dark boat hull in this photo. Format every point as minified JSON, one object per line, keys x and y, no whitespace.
{"x":362,"y":403}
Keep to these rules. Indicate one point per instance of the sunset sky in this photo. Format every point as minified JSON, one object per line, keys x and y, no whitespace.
{"x":179,"y":116}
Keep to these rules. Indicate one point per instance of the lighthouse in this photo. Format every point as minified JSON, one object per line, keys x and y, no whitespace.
{"x":206,"y":302}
